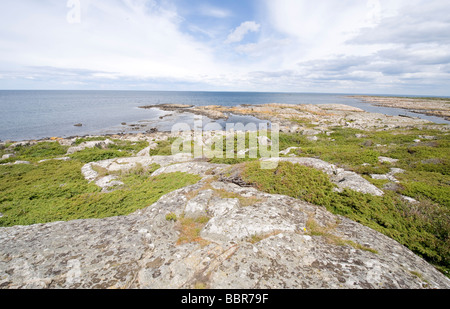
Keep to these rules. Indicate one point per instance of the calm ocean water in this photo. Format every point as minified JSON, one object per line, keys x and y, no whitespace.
{"x":39,"y":114}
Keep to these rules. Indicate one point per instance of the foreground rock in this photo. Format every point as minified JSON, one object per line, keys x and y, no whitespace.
{"x":252,"y":240}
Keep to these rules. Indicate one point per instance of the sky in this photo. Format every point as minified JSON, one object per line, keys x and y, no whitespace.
{"x":327,"y":46}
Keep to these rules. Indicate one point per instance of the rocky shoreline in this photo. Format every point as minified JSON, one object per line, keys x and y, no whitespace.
{"x":439,"y":107}
{"x":290,"y":117}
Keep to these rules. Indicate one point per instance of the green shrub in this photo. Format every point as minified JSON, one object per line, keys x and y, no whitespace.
{"x":128,"y":146}
{"x":37,"y":152}
{"x":290,"y":179}
{"x":171,"y":217}
{"x":164,"y":148}
{"x":96,"y":154}
{"x":430,"y":185}
{"x":57,"y":191}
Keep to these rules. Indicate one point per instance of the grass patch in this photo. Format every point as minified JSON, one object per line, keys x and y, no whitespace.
{"x":172,"y":217}
{"x":256,"y":238}
{"x":57,"y":191}
{"x":305,"y":122}
{"x":49,"y":150}
{"x":130,"y":147}
{"x":97,"y":154}
{"x":119,"y":149}
{"x":243,"y":201}
{"x":429,"y":185}
{"x":164,"y":148}
{"x":190,"y":229}
{"x":35,"y":153}
{"x":313,"y":186}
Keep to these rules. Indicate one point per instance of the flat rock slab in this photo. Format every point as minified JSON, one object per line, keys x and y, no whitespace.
{"x":196,"y":168}
{"x":141,"y":250}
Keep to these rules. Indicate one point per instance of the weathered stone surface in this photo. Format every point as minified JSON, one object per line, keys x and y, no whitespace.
{"x":91,"y":144}
{"x":387,"y":160}
{"x":197,"y":207}
{"x":240,"y":224}
{"x":389,"y":176}
{"x":141,"y":251}
{"x":219,"y":206}
{"x":22,"y":162}
{"x":8,"y":156}
{"x":196,"y":168}
{"x":341,"y":107}
{"x":108,"y":182}
{"x":144,"y":152}
{"x":288,"y":150}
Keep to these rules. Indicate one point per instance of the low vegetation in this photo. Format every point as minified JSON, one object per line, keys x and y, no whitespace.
{"x":48,"y":150}
{"x":190,"y":228}
{"x":34,"y":153}
{"x":57,"y":191}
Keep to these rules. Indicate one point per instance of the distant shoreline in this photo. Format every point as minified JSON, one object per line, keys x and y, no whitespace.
{"x":35,"y":115}
{"x":289,"y":117}
{"x":430,"y":106}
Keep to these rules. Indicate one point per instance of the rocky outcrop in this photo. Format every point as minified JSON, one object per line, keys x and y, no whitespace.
{"x":252,"y":240}
{"x":211,"y":112}
{"x":291,"y":116}
{"x":91,"y":144}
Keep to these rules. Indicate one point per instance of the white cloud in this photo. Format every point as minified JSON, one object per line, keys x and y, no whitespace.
{"x":363,"y":45}
{"x":240,"y":32}
{"x":300,"y":45}
{"x":133,"y":38}
{"x":214,"y":12}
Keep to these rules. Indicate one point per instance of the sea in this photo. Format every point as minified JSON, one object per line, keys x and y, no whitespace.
{"x":33,"y":115}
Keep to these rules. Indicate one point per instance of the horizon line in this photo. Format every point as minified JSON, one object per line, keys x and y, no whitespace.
{"x":238,"y":91}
